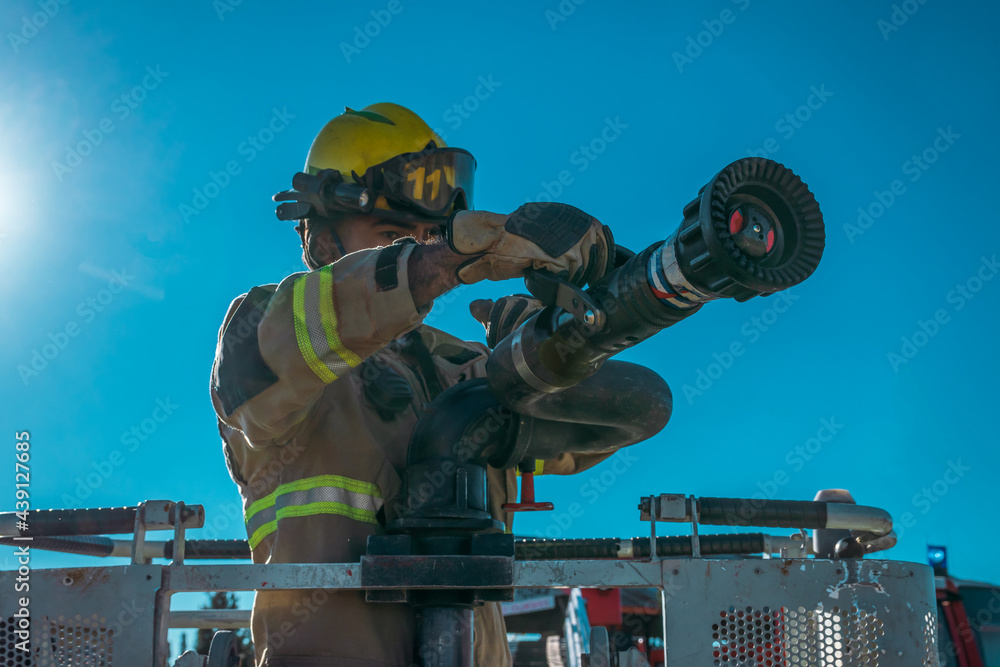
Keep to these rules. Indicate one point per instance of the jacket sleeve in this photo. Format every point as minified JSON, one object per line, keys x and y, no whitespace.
{"x":569,"y":463}
{"x":280,"y":348}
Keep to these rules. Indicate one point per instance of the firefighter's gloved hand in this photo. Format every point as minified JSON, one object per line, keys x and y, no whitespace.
{"x":542,"y":235}
{"x":502,"y":316}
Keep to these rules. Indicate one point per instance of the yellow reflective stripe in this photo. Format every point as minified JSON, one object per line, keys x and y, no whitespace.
{"x":302,"y":331}
{"x":539,"y":464}
{"x":319,"y":485}
{"x":261,"y":533}
{"x":357,"y":486}
{"x":328,"y":315}
{"x":337,"y":481}
{"x":364,"y":516}
{"x":316,"y":306}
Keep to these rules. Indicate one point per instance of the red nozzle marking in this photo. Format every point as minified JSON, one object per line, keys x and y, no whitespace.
{"x":735,"y":222}
{"x":770,"y":239}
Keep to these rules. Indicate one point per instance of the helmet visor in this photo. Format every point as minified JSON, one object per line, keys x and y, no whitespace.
{"x":431,"y":181}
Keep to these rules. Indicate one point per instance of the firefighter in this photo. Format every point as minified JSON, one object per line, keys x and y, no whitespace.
{"x":318,"y":381}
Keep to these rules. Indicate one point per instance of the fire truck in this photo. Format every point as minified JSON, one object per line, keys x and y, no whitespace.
{"x":968,"y":616}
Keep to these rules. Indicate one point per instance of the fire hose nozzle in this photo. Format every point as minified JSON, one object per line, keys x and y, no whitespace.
{"x":754,"y":229}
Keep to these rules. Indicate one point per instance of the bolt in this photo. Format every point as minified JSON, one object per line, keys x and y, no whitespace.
{"x":757,"y":227}
{"x":589,"y":317}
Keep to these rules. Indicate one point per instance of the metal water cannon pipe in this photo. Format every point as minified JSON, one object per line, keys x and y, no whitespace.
{"x":754,"y":229}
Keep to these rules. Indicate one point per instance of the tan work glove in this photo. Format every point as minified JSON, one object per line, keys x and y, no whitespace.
{"x":541,"y":235}
{"x":502,"y":316}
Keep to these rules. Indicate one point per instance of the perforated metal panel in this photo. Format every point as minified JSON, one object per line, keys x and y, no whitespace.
{"x":930,"y":637}
{"x":83,"y":617}
{"x":747,"y":636}
{"x":801,"y":613}
{"x":847,"y":637}
{"x":10,"y":655}
{"x":76,"y":640}
{"x":793,"y":637}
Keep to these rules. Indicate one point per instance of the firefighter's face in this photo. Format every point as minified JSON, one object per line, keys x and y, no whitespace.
{"x":370,"y":232}
{"x":363,"y":232}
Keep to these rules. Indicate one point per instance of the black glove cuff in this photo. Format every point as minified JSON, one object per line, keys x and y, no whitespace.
{"x":449,"y":234}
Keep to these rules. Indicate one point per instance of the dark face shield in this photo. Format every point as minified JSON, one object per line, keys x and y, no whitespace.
{"x":429,"y":182}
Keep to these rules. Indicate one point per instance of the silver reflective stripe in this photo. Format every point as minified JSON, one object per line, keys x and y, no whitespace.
{"x":677,"y":280}
{"x":311,"y":497}
{"x":315,"y":310}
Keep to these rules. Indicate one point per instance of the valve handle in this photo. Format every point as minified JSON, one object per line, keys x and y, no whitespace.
{"x":527,"y":503}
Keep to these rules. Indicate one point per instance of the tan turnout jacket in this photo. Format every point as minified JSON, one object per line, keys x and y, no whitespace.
{"x":318,"y":461}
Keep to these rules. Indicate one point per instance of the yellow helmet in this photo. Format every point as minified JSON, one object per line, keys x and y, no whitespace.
{"x":392,"y":152}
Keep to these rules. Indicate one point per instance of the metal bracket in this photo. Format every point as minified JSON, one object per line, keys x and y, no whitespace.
{"x":178,"y":558}
{"x":552,"y":290}
{"x":804,"y":543}
{"x":139,"y":536}
{"x":672,"y":507}
{"x":695,"y":540}
{"x":652,"y":532}
{"x":164,"y":515}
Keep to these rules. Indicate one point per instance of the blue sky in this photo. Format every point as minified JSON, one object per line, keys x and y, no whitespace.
{"x":115,"y":118}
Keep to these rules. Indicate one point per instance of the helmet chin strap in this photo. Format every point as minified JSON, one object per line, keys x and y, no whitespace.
{"x":336,"y":239}
{"x":308,"y":237}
